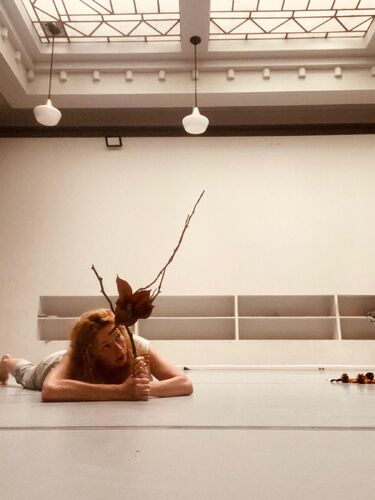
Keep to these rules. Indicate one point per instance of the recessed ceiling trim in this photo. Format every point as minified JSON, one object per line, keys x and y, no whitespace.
{"x":216,"y":65}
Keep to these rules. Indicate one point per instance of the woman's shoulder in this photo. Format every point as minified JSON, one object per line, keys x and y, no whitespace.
{"x":141,"y":344}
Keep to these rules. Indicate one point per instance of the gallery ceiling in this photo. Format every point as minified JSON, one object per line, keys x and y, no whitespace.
{"x":264,"y":66}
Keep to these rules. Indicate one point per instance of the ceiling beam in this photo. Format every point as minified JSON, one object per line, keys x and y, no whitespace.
{"x":195,"y":21}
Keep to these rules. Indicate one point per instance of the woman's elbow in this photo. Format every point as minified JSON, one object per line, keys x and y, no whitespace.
{"x":48,"y":393}
{"x":187,"y":387}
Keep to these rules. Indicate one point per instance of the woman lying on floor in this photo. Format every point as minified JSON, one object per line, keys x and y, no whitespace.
{"x":99,"y":366}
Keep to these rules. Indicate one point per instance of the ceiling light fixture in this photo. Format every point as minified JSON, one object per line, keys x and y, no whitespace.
{"x":195,"y":123}
{"x":46,"y":114}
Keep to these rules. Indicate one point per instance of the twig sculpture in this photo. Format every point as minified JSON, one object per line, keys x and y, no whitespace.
{"x":132,"y":306}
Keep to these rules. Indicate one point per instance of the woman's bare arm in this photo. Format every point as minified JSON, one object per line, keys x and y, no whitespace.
{"x":170,"y":380}
{"x":59,"y":387}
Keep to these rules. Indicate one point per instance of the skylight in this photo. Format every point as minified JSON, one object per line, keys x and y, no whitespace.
{"x":270,"y":19}
{"x":107,"y":20}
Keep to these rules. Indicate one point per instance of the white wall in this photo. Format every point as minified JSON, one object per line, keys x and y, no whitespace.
{"x":280,"y":215}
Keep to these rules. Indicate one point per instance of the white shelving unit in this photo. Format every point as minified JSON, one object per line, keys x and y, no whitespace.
{"x":191,"y":318}
{"x":58,"y":314}
{"x":281,"y":317}
{"x":240,"y":330}
{"x":354,"y":323}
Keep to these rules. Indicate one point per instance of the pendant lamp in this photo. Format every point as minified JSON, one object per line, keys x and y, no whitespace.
{"x":46,"y":114}
{"x":195,"y":123}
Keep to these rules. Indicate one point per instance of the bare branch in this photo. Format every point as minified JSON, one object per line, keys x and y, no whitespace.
{"x":162,"y":271}
{"x":102,"y":289}
{"x":158,"y":290}
{"x":131,"y":341}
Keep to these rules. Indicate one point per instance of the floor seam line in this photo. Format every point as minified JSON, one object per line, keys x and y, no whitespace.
{"x":189,"y":427}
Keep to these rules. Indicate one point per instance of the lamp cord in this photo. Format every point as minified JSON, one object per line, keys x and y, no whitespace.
{"x":50,"y":68}
{"x":195,"y":77}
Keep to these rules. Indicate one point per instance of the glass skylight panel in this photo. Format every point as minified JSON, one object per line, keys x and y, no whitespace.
{"x":328,"y":14}
{"x":169,"y":6}
{"x":271,"y":15}
{"x":224,"y":5}
{"x":249,"y":26}
{"x":345,"y":4}
{"x":344,"y":34}
{"x":290,"y":26}
{"x":146,"y":6}
{"x":270,"y":5}
{"x":295,"y":4}
{"x":353,"y":23}
{"x":230,"y":37}
{"x":362,"y":12}
{"x":367,"y":4}
{"x":306,"y":35}
{"x":245,"y":4}
{"x":319,"y":4}
{"x":107,"y":20}
{"x":124,"y":6}
{"x":290,"y":18}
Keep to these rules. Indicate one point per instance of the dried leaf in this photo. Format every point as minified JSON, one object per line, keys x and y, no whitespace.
{"x":130,"y":307}
{"x":124,"y":289}
{"x":142,"y":304}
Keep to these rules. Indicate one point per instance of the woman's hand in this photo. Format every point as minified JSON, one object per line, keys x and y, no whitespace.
{"x":170,"y":381}
{"x":137,"y":386}
{"x":140,"y":368}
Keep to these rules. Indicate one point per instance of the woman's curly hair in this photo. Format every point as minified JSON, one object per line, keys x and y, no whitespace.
{"x":83,"y":364}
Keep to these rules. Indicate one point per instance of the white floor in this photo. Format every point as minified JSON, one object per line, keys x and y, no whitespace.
{"x":242,"y":435}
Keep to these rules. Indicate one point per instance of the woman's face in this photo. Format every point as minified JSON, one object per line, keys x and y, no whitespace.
{"x":110,"y":347}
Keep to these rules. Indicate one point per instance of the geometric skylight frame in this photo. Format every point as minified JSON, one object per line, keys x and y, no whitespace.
{"x":275,"y":19}
{"x":108,"y":20}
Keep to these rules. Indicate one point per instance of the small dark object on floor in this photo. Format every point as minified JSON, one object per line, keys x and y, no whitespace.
{"x":344,"y":379}
{"x":360,"y":379}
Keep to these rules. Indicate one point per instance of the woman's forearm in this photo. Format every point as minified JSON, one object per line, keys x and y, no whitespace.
{"x":74,"y":390}
{"x":175,"y":386}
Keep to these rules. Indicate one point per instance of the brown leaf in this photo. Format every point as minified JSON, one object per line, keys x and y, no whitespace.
{"x":124,"y":289}
{"x":141,"y":296}
{"x":142,"y":304}
{"x":131,"y":308}
{"x":125,"y":317}
{"x":144,"y":310}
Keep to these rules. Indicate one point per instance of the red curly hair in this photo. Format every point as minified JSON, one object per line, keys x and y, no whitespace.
{"x":83,"y":363}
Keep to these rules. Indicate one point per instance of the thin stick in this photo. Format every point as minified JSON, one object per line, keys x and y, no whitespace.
{"x":102,"y":289}
{"x":162,"y":272}
{"x":156,"y":292}
{"x":131,"y":341}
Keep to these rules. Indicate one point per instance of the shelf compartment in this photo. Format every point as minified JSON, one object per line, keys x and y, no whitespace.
{"x":286,"y":305}
{"x":356,"y":305}
{"x":292,"y":328}
{"x":71,"y":306}
{"x":357,"y":329}
{"x":187,"y":328}
{"x":194,"y":306}
{"x":55,"y":328}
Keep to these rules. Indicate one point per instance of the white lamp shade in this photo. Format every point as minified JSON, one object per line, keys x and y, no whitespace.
{"x":46,"y":114}
{"x":195,"y":123}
